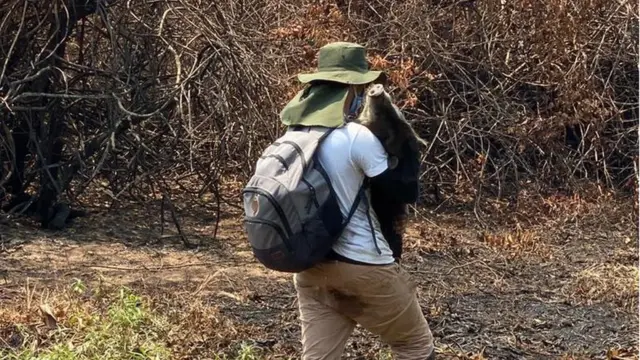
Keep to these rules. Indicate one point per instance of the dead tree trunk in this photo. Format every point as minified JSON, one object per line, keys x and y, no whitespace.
{"x":38,"y":135}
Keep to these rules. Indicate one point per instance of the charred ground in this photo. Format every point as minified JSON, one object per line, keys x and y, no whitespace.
{"x":563,"y":285}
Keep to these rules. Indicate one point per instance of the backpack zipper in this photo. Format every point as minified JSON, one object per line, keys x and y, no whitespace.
{"x":297,"y":148}
{"x":313,"y":193}
{"x":275,"y":226}
{"x":275,"y":206}
{"x":279,"y":158}
{"x":299,"y":151}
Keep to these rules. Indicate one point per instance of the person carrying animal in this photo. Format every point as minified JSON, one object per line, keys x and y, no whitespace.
{"x":308,"y":212}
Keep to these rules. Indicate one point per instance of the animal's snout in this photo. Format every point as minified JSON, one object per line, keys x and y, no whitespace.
{"x":375,"y":90}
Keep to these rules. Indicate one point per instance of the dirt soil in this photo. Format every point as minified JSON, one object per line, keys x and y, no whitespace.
{"x":564,"y":286}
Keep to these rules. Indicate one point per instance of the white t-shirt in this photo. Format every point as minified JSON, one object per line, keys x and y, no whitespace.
{"x":348,"y":154}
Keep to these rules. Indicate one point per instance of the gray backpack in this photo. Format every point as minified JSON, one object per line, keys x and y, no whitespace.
{"x":292,"y":216}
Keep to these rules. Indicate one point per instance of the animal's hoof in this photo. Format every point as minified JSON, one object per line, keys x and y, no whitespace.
{"x":376,"y":90}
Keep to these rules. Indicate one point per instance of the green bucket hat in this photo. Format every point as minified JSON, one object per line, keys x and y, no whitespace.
{"x":342,"y":62}
{"x":321,"y":103}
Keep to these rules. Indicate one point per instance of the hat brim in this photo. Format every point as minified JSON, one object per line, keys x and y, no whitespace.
{"x":348,"y":77}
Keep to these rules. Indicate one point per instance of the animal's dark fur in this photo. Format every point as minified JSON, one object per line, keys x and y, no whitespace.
{"x":388,"y":124}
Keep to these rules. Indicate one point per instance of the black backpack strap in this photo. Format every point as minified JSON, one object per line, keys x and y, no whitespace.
{"x":362,"y":195}
{"x":325,"y":135}
{"x":373,"y":231}
{"x":356,"y":202}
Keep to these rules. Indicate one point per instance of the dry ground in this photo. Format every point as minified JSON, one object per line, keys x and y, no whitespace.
{"x":562,"y":285}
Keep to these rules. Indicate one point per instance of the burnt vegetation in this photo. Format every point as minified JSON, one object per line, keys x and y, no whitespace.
{"x":524,"y":243}
{"x":150,"y":100}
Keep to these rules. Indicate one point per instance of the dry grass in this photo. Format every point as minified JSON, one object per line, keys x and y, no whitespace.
{"x":605,"y":282}
{"x":77,"y":323}
{"x":521,"y":290}
{"x":517,"y":243}
{"x":84,"y":322}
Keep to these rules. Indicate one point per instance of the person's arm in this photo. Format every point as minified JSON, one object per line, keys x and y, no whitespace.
{"x":367,"y":153}
{"x":400,"y":183}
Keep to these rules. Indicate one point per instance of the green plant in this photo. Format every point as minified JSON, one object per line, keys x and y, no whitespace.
{"x":247,"y":352}
{"x":128,"y":329}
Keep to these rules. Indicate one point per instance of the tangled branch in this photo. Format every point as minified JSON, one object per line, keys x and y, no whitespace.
{"x":148,"y":100}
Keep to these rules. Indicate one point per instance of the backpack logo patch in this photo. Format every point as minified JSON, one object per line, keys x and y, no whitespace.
{"x":255,"y":205}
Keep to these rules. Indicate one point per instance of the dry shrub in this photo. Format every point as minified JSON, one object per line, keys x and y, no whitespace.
{"x":518,"y":243}
{"x":527,"y":87}
{"x":160,"y":98}
{"x":422,"y":238}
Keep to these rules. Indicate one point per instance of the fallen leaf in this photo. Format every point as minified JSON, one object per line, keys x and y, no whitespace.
{"x":48,"y":317}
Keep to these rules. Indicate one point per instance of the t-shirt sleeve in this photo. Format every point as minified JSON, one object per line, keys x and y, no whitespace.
{"x":367,"y":153}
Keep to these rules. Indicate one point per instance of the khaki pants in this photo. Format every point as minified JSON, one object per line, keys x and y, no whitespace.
{"x":335,"y":296}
